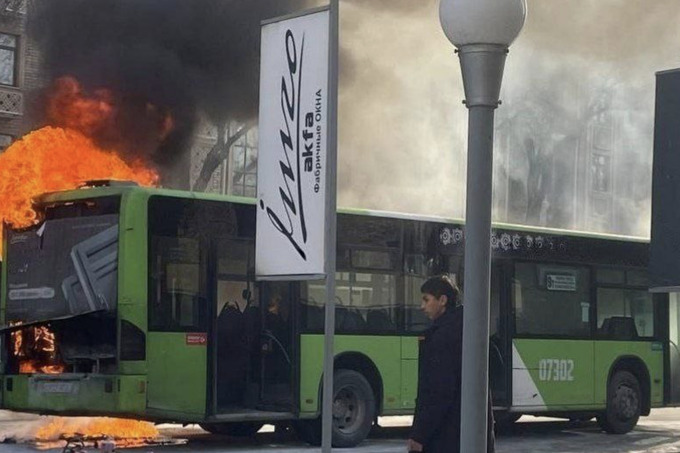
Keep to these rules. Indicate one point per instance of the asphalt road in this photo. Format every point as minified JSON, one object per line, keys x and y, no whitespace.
{"x":659,"y":433}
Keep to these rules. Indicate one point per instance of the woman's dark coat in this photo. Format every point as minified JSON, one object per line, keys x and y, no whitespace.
{"x":436,"y":422}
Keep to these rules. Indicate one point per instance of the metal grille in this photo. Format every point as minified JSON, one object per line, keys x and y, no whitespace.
{"x":11,"y":102}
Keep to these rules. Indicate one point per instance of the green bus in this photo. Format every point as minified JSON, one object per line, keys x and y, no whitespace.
{"x":139,"y":302}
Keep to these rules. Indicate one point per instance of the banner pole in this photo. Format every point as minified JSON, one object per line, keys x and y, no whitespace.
{"x":331,"y":213}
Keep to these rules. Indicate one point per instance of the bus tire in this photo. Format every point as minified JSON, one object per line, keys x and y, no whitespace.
{"x":354,"y":410}
{"x":233,"y":429}
{"x":624,"y":404}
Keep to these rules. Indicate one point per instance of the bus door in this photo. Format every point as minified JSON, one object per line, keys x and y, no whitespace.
{"x":673,"y":361}
{"x":236,"y":326}
{"x":552,"y":349}
{"x":178,"y":328}
{"x":276,"y":347}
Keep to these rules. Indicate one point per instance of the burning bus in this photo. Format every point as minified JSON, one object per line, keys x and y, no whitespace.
{"x":141,"y":302}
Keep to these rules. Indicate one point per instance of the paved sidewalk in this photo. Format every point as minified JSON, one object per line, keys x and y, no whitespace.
{"x":659,"y":433}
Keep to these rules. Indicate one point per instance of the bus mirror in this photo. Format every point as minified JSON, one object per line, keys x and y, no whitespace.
{"x":246,"y":294}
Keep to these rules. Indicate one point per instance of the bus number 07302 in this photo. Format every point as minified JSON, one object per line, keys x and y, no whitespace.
{"x":556,"y":370}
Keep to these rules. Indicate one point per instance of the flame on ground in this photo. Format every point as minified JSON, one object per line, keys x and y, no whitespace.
{"x":116,"y":428}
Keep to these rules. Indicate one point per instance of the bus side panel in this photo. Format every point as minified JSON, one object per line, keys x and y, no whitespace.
{"x":552,"y":375}
{"x":383,"y":351}
{"x":132,"y":277}
{"x":311,"y":366}
{"x":651,"y":354}
{"x":177,"y":363}
{"x":409,"y":372}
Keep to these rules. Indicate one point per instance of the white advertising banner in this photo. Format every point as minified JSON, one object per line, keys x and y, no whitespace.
{"x":291,"y":170}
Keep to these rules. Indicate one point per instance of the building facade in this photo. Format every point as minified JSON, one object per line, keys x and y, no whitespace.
{"x":19,"y":71}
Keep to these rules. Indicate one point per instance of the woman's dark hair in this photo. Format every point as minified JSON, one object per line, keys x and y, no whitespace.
{"x":442,"y":285}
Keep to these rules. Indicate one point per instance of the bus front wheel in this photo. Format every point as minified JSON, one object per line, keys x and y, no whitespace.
{"x":234,"y":429}
{"x":624,"y":403}
{"x":353,"y":412}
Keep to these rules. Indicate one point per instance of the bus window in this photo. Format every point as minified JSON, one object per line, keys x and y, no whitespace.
{"x":551,"y":300}
{"x":177,"y":287}
{"x":366,"y":302}
{"x":610,"y":276}
{"x":418,"y":269}
{"x":624,"y":314}
{"x":177,"y":264}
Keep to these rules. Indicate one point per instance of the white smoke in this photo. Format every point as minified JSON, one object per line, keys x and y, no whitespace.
{"x":579,"y":77}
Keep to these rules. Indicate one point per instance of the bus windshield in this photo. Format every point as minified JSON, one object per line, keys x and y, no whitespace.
{"x":66,"y":265}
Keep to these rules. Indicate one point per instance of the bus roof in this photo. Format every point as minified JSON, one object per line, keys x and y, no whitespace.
{"x":103,"y":191}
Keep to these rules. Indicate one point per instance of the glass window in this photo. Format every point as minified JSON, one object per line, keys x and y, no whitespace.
{"x":637,"y":278}
{"x":243,"y":167}
{"x":5,"y":141}
{"x":551,"y":300}
{"x":419,"y":268}
{"x":178,"y":234}
{"x":365,"y":303}
{"x":178,"y":296}
{"x":624,"y":314}
{"x":372,"y":259}
{"x":414,"y":318}
{"x":8,"y":50}
{"x":611,"y":276}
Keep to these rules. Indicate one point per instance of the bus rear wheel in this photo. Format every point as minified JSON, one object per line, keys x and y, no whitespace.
{"x":353,"y":412}
{"x":234,"y":429}
{"x":624,"y":403}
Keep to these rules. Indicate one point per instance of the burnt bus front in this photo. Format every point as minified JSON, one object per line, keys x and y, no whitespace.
{"x":60,"y":313}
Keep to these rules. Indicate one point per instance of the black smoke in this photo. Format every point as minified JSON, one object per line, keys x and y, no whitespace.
{"x":181,"y":56}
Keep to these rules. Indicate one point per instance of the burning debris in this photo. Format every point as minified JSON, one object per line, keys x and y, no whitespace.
{"x":123,"y":431}
{"x":35,"y":349}
{"x":83,"y":433}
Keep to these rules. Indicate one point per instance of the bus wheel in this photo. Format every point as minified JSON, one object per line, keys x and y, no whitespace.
{"x":624,"y":402}
{"x":353,"y":412}
{"x":234,"y":429}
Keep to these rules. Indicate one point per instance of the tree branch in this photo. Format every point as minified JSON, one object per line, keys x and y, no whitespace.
{"x":218,"y":153}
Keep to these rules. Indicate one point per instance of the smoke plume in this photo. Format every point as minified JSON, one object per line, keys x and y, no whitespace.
{"x":574,"y":133}
{"x":171,"y":56}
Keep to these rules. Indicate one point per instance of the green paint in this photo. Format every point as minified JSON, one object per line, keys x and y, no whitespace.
{"x":171,"y":383}
{"x":177,"y":374}
{"x":606,"y":354}
{"x":383,"y":351}
{"x":559,"y":383}
{"x":585,"y":384}
{"x":132,"y":278}
{"x":94,"y":394}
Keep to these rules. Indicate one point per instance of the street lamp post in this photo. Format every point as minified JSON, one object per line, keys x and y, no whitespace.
{"x":482,"y":31}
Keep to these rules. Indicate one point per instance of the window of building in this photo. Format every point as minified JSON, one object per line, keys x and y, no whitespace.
{"x":5,"y":141}
{"x":624,"y":314}
{"x":8,"y":59}
{"x":551,"y":300}
{"x":243,"y":169}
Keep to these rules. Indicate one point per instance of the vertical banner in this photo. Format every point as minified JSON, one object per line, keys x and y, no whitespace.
{"x":293,"y":128}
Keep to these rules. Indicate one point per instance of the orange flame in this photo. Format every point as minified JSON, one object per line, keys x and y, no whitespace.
{"x":61,"y":158}
{"x":116,"y":428}
{"x":36,"y":349}
{"x":70,"y":107}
